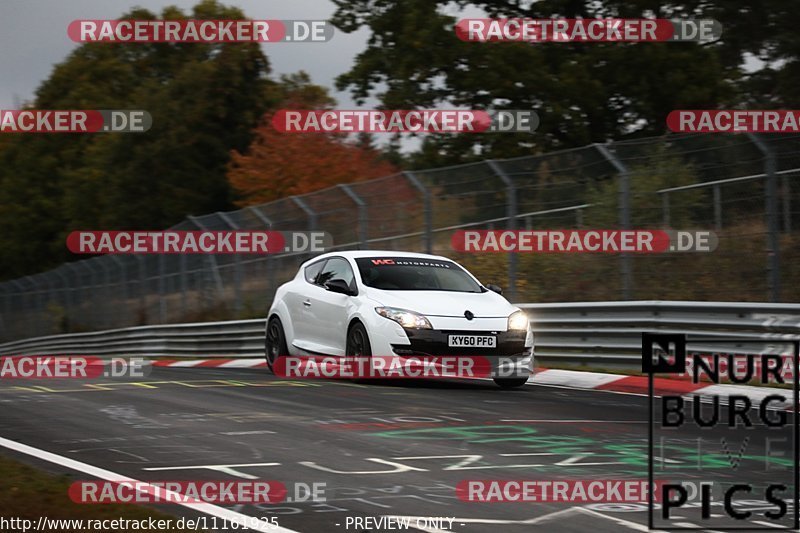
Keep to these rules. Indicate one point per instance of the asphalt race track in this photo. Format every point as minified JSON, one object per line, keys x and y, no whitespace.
{"x":382,"y":449}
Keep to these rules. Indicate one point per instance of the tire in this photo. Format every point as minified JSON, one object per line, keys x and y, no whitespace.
{"x":357,"y":342}
{"x":358,"y":345}
{"x":510,"y":383}
{"x":275,"y":342}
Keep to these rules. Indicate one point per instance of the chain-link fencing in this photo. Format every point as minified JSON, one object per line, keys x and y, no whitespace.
{"x":743,"y":187}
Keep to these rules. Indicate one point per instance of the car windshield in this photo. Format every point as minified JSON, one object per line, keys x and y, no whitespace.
{"x":415,"y":274}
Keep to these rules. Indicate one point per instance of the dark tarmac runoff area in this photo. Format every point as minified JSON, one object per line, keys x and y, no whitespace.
{"x":389,"y":455}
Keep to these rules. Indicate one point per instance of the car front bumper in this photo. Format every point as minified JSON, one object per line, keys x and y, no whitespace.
{"x":511,"y":357}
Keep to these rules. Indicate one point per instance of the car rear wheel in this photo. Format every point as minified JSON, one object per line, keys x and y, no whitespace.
{"x":276,"y":341}
{"x":510,"y":383}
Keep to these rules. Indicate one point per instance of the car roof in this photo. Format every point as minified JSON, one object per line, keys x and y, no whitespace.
{"x":355,"y":254}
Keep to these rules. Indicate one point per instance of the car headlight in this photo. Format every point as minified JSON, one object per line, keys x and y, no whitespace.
{"x":407,"y":319}
{"x":518,"y":321}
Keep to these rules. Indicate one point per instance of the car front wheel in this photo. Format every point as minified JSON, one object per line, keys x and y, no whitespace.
{"x":358,"y":342}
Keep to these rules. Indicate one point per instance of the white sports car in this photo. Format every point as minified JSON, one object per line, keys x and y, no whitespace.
{"x":364,"y":303}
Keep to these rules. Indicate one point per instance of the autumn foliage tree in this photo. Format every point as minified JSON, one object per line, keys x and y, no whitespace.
{"x":277,"y":165}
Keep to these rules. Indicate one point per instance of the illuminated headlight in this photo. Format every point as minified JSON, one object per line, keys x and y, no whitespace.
{"x":518,"y":321}
{"x":407,"y":319}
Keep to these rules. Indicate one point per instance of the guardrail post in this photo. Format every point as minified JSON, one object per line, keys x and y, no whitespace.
{"x":511,"y":214}
{"x":771,"y":211}
{"x":362,"y":213}
{"x":665,"y":207}
{"x":427,"y":208}
{"x":624,"y":215}
{"x":717,"y":207}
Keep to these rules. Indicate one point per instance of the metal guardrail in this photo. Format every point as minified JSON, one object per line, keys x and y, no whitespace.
{"x":592,"y":333}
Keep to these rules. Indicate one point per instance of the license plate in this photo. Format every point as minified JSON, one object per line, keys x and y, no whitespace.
{"x":472,"y":341}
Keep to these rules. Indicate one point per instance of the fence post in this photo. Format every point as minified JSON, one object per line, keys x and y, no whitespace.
{"x":76,"y":302}
{"x":123,"y":276}
{"x":624,"y":215}
{"x":362,"y":213}
{"x":267,"y":259}
{"x":717,"y":207}
{"x":212,"y":260}
{"x":5,"y":333}
{"x":237,"y":268}
{"x":95,"y":312}
{"x":35,"y":303}
{"x":20,"y":288}
{"x":787,"y":204}
{"x":665,"y":207}
{"x":511,"y":214}
{"x":427,"y":207}
{"x":312,"y":215}
{"x":162,"y":290}
{"x":771,"y":211}
{"x":140,"y":260}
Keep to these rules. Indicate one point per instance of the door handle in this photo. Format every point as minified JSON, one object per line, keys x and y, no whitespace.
{"x":307,"y":303}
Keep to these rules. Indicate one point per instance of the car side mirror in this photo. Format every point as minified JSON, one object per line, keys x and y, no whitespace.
{"x":494,"y":288}
{"x":338,"y":285}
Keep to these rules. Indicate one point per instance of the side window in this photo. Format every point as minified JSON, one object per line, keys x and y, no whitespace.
{"x":312,"y":271}
{"x":337,"y":268}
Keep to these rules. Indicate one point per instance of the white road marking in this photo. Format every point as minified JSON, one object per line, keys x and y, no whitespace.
{"x":767,"y":524}
{"x":225,"y":469}
{"x":244,"y":521}
{"x":578,"y":421}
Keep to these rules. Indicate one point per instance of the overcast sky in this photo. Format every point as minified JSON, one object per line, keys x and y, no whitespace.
{"x":33,"y":38}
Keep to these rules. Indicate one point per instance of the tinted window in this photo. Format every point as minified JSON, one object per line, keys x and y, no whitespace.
{"x":336,"y":268}
{"x":413,"y":274}
{"x":312,"y":271}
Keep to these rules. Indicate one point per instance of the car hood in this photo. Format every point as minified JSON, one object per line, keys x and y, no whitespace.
{"x":442,"y":303}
